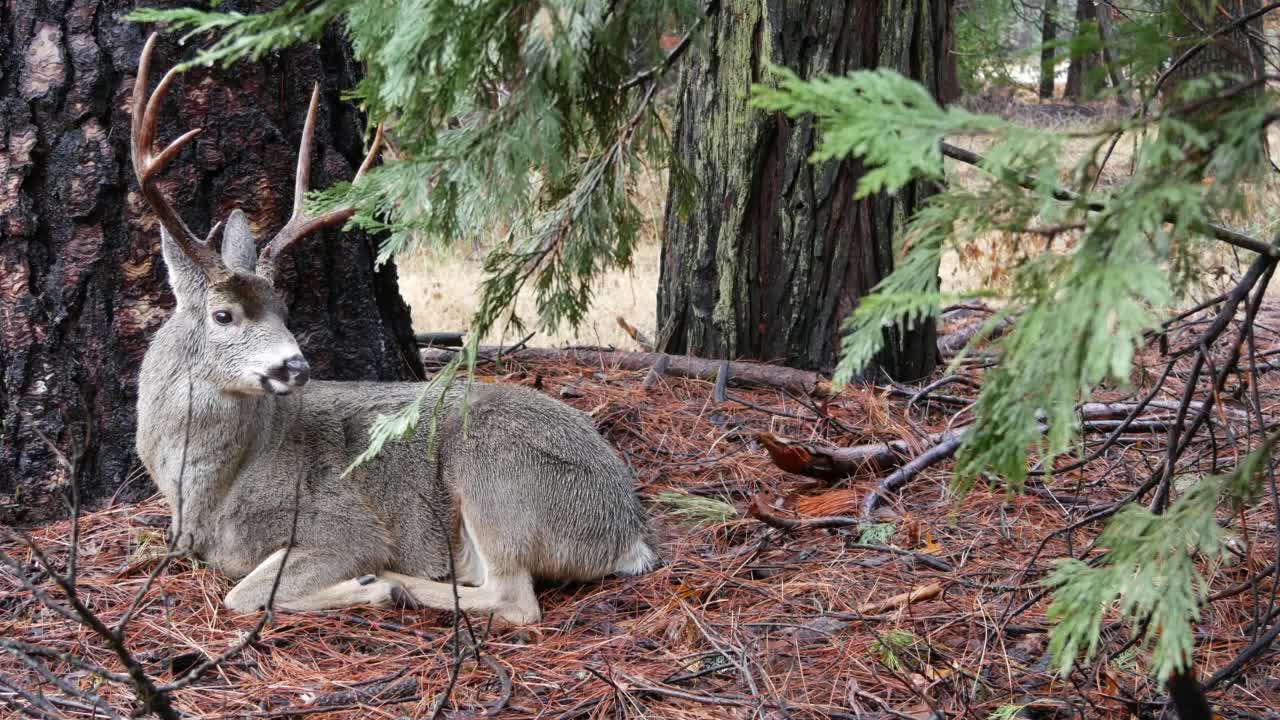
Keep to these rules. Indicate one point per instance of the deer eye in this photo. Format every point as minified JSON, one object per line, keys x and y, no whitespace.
{"x":222,"y":317}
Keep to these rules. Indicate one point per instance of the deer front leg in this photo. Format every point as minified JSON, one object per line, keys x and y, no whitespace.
{"x":305,"y":585}
{"x":509,"y":597}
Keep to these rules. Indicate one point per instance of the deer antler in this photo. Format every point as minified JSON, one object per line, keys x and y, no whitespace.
{"x":147,"y":164}
{"x":301,"y":224}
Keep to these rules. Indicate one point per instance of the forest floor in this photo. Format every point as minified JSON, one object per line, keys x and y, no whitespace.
{"x":933,"y":609}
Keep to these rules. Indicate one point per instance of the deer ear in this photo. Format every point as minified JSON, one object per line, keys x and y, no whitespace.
{"x":239,"y":253}
{"x":187,"y":280}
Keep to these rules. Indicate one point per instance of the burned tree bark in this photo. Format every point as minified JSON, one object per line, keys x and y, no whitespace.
{"x":772,"y":253}
{"x":82,"y":283}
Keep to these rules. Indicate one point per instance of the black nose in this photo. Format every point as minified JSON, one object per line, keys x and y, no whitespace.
{"x":298,"y":369}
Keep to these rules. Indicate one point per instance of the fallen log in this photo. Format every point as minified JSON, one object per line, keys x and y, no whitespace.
{"x":740,"y":373}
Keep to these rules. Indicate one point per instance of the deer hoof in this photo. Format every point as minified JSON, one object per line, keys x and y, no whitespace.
{"x":402,"y":598}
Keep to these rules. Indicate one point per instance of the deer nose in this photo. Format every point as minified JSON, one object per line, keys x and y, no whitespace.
{"x":298,"y":369}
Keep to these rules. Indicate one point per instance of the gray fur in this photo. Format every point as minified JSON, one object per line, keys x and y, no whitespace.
{"x":185,"y":277}
{"x":527,"y":490}
{"x":239,"y":253}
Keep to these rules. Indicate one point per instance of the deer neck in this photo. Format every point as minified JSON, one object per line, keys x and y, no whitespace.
{"x":195,"y":439}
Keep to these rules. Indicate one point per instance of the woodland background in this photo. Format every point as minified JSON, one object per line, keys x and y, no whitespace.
{"x":905,"y":545}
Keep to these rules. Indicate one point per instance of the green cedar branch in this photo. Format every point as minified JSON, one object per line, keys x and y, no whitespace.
{"x":1218,"y":232}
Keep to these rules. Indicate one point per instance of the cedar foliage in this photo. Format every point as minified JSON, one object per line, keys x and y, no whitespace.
{"x":1079,"y":309}
{"x":529,"y":116}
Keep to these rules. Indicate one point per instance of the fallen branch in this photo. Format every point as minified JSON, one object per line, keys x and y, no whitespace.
{"x":923,"y":558}
{"x":657,"y":371}
{"x":439,"y":339}
{"x":952,"y":343}
{"x":1225,"y":234}
{"x":761,"y":511}
{"x":634,"y":333}
{"x":1099,"y":411}
{"x":827,"y":462}
{"x":902,"y":475}
{"x":920,"y":594}
{"x":375,"y":693}
{"x":741,"y":373}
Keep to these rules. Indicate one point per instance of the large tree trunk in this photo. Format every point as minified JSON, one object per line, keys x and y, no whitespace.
{"x":1236,"y":53}
{"x":1081,"y":79}
{"x":1048,"y":52}
{"x":82,"y":283}
{"x":773,"y":252}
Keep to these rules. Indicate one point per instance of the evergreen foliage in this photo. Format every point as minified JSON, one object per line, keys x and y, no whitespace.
{"x":525,"y":116}
{"x":697,"y":509}
{"x":1149,"y":573}
{"x":1089,"y":274}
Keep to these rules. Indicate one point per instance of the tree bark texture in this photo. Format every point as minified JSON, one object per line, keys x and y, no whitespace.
{"x":1106,"y":31}
{"x":1081,"y":80}
{"x":1237,"y":52}
{"x":773,"y":252}
{"x":82,"y":282}
{"x":1048,"y":52}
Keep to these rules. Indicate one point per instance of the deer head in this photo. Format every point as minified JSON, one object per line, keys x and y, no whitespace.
{"x":227,"y":302}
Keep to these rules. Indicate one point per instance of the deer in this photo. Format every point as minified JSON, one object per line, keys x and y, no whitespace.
{"x":250,"y":455}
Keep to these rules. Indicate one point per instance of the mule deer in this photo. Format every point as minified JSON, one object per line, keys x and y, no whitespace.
{"x":251,"y":465}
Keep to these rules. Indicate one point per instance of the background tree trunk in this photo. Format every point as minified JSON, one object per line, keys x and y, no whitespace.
{"x":1048,"y":53}
{"x":82,"y":283}
{"x":773,"y":252}
{"x":949,"y":90}
{"x":1106,"y":28}
{"x":1079,"y":72}
{"x":1237,"y":53}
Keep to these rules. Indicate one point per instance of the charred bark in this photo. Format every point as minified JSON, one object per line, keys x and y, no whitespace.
{"x":772,"y":253}
{"x":82,"y":283}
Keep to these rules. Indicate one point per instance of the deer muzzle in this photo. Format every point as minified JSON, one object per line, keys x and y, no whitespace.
{"x":294,"y":372}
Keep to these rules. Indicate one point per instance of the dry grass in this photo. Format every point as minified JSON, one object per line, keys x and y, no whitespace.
{"x":443,"y":288}
{"x":983,"y":267}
